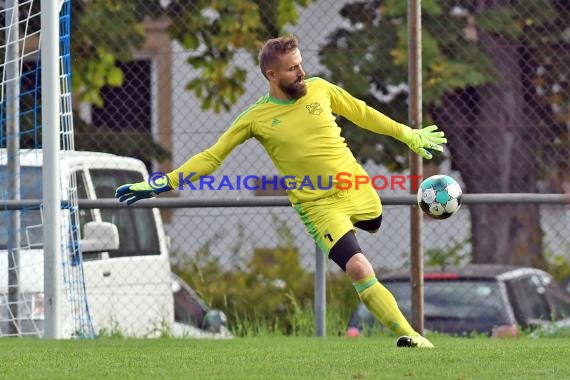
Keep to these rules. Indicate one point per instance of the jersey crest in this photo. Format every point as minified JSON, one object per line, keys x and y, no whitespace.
{"x":315,"y":108}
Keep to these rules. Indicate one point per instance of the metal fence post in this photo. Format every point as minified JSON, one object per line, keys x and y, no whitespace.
{"x":416,"y":169}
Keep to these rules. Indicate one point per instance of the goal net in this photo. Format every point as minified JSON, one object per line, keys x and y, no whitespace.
{"x":21,"y":218}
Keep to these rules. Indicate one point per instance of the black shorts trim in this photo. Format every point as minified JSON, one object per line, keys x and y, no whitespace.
{"x":371,"y":225}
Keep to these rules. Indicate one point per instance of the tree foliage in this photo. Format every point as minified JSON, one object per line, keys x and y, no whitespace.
{"x":109,"y":31}
{"x":215,"y":31}
{"x":374,"y":48}
{"x":104,"y":32}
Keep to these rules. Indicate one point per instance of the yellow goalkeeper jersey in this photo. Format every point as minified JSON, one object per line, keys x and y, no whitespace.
{"x":301,"y":137}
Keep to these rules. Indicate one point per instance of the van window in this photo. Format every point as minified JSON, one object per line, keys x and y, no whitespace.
{"x":138,"y":234}
{"x":30,"y":219}
{"x":85,"y":215}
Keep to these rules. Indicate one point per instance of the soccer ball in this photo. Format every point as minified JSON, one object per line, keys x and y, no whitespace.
{"x":439,"y":196}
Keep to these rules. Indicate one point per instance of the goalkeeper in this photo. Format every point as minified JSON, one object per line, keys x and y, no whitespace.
{"x":295,"y":122}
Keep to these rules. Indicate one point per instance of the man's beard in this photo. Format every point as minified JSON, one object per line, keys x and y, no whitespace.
{"x":294,"y":90}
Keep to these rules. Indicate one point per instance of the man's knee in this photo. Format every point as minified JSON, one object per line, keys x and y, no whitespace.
{"x":358,"y":267}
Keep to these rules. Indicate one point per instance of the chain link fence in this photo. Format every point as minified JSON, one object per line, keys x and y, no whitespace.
{"x":495,"y":79}
{"x":161,"y":80}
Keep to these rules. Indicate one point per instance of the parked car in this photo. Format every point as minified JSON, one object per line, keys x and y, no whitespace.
{"x":492,"y":299}
{"x":192,"y":317}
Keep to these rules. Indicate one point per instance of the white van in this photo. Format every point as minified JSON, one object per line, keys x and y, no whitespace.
{"x":129,"y":285}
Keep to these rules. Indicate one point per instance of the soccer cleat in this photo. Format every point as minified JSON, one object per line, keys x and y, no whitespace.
{"x":414,"y":341}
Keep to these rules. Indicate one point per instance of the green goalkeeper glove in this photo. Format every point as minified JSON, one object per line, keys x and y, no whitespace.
{"x":421,"y":141}
{"x":132,"y":192}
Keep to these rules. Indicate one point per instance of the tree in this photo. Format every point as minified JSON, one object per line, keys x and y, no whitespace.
{"x":481,"y":68}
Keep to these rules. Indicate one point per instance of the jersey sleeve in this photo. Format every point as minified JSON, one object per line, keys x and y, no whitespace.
{"x":209,"y":160}
{"x":357,"y":111}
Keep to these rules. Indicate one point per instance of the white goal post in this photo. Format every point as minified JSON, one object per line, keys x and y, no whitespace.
{"x":51,"y":176}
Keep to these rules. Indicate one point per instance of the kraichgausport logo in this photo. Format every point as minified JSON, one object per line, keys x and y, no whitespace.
{"x":340,"y":181}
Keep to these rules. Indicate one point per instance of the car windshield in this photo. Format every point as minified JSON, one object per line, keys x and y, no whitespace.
{"x":138,"y":234}
{"x":456,"y":306}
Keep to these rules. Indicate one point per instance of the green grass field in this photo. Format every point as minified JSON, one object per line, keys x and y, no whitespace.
{"x":285,"y":358}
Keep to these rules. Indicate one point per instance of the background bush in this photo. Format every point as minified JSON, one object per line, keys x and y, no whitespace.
{"x":271,"y":292}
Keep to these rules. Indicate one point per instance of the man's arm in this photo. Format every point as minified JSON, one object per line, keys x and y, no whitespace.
{"x":203,"y":163}
{"x":420,"y":141}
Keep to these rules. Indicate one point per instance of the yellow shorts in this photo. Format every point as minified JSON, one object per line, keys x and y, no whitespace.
{"x":330,"y":218}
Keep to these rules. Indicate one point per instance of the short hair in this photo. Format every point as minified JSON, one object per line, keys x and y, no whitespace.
{"x":273,"y":48}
